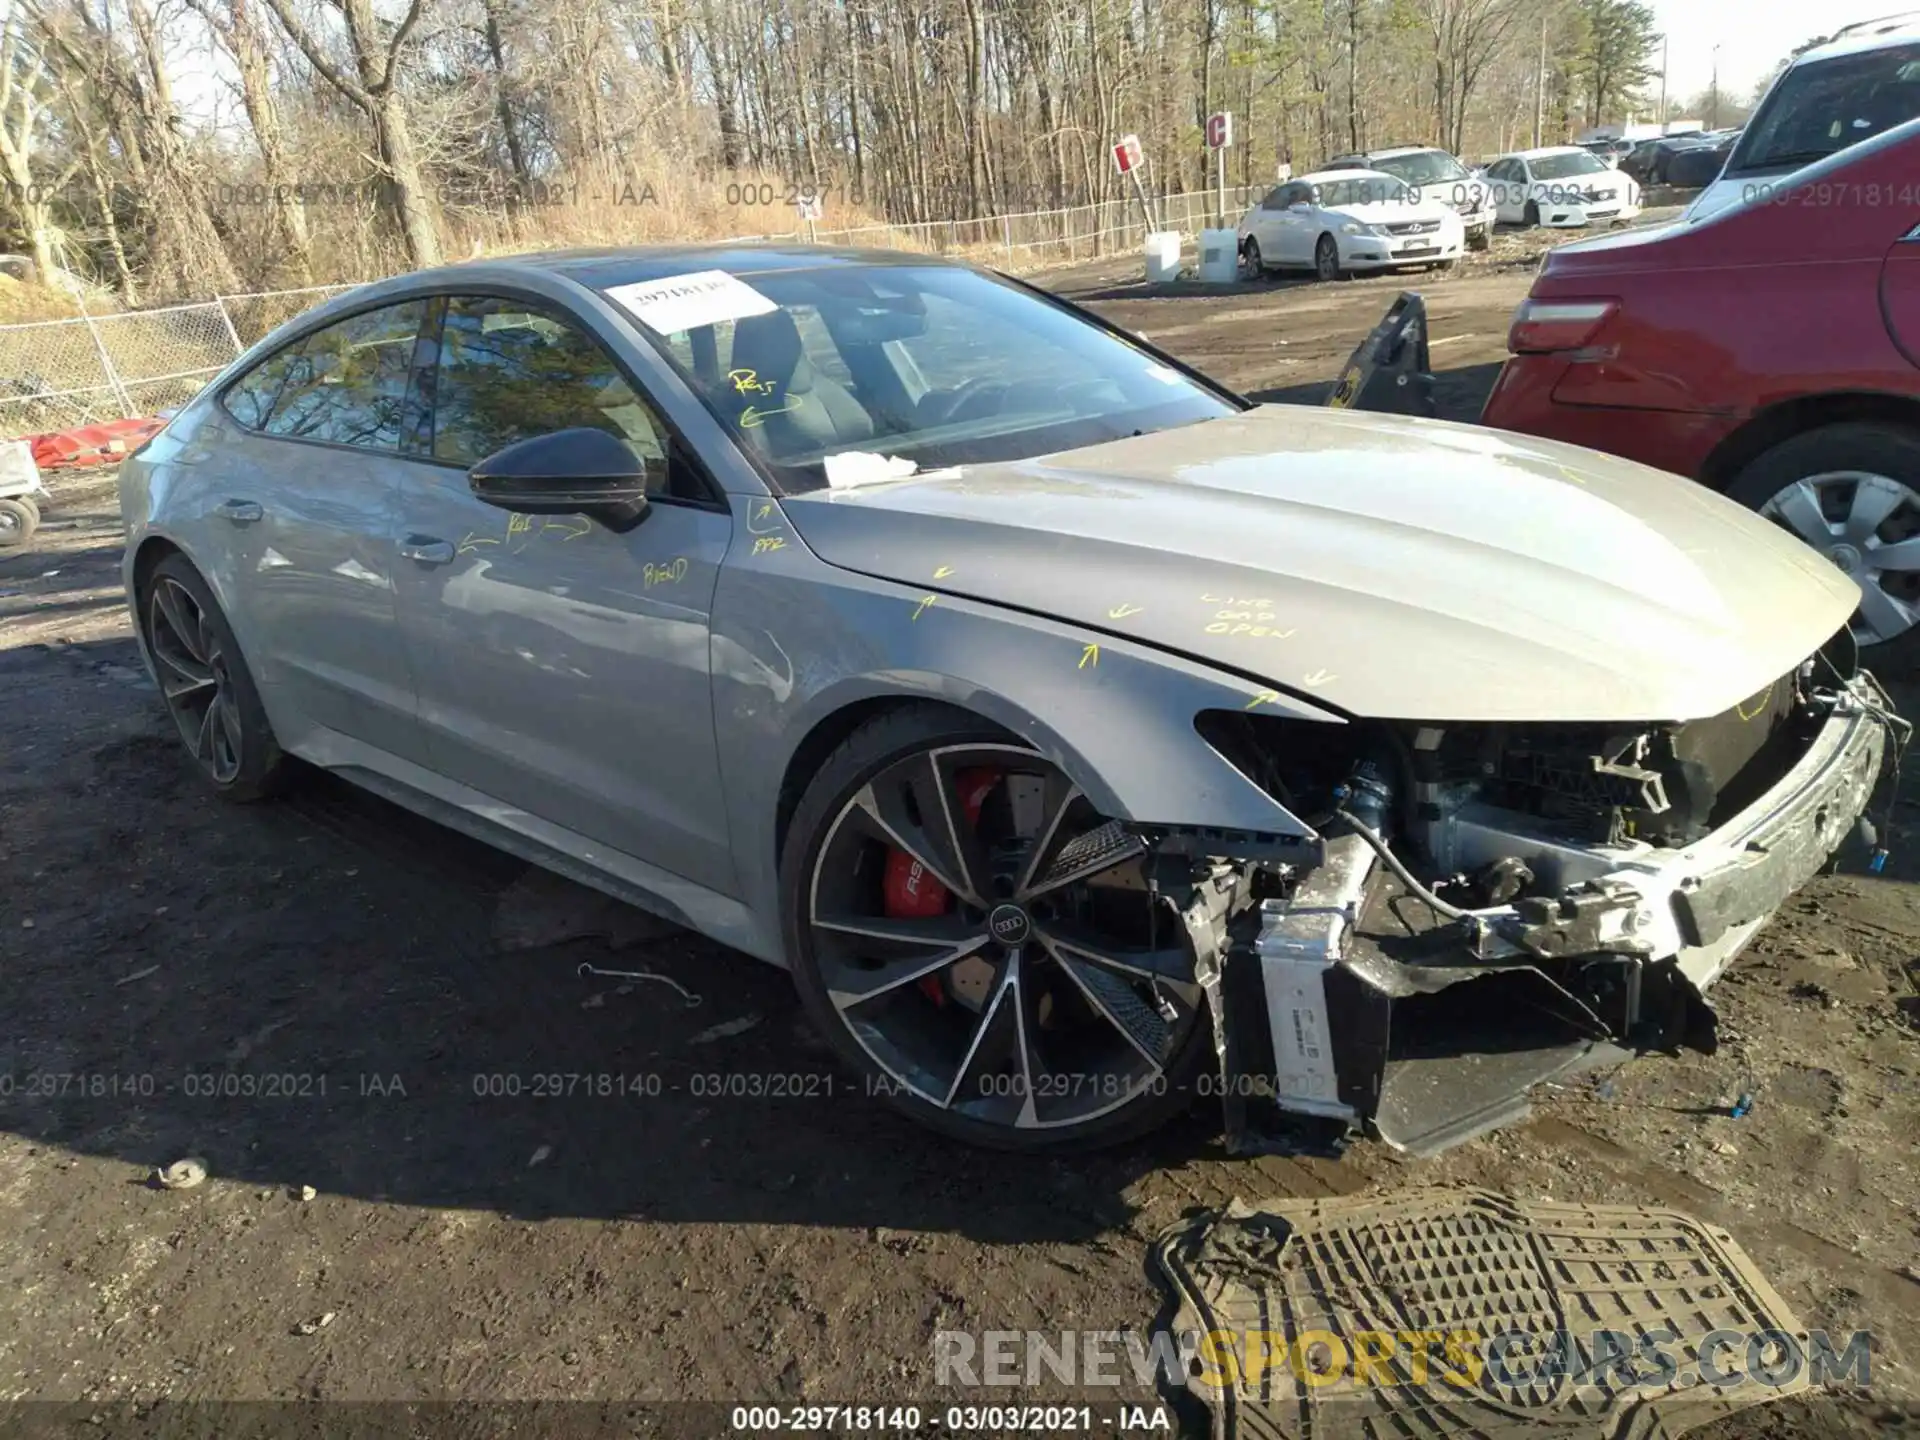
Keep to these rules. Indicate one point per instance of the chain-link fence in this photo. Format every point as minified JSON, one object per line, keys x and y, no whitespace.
{"x":1035,"y":238}
{"x":59,"y":374}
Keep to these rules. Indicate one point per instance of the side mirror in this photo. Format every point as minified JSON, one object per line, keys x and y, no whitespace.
{"x":582,"y":471}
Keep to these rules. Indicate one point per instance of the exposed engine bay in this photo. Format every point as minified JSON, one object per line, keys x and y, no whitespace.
{"x":1457,"y":912}
{"x":1493,"y":905}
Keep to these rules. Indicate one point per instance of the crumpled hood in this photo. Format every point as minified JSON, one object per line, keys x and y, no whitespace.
{"x":1392,"y":568}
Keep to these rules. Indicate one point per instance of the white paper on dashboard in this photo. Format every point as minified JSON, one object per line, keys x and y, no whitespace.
{"x":686,"y":302}
{"x":862,"y":467}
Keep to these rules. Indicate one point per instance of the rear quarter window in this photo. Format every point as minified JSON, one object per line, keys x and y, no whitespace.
{"x":345,"y":384}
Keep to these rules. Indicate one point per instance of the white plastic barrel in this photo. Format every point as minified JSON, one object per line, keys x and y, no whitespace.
{"x":1219,"y":256}
{"x":1163,"y":256}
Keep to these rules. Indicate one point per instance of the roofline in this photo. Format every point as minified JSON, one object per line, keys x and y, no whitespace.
{"x":1858,"y":39}
{"x":1913,"y":15}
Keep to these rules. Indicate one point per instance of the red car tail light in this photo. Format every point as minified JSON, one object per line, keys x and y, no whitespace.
{"x":1540,"y":326}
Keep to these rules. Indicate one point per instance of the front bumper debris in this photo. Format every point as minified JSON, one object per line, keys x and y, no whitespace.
{"x":1426,"y":1040}
{"x":1468,"y":1313}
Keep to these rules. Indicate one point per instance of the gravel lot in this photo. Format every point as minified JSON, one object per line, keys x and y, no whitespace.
{"x":316,"y":993}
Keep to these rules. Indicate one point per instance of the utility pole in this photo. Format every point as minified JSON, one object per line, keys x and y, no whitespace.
{"x":1540,"y":87}
{"x":1714,"y":123}
{"x":1664,"y":43}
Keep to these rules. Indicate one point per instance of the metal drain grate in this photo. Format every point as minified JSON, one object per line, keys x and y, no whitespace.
{"x":1467,"y":1313}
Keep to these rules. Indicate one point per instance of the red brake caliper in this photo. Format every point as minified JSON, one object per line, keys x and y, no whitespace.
{"x":911,"y":892}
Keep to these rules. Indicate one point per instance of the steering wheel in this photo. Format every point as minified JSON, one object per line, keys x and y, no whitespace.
{"x":964,"y":401}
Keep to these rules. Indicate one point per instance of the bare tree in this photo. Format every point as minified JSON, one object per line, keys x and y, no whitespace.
{"x":239,"y":29}
{"x":24,"y":89}
{"x":1466,"y":36}
{"x":372,"y":86}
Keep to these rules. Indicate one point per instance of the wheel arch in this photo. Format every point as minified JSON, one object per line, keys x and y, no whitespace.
{"x":1782,"y":421}
{"x":849,"y":707}
{"x":151,"y":550}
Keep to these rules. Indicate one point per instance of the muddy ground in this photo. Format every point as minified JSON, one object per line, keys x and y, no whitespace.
{"x":319,"y":992}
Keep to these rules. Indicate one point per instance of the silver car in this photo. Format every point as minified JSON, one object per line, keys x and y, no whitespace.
{"x":1083,"y":737}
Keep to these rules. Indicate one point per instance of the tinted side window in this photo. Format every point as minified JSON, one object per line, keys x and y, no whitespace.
{"x":346,"y":384}
{"x":510,"y":370}
{"x":1273,"y":200}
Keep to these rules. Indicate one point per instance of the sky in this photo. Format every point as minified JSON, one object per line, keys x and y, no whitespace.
{"x":1753,"y":36}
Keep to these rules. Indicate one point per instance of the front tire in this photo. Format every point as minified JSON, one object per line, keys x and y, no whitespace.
{"x":952,"y":939}
{"x":1326,"y":259}
{"x":1252,"y":267}
{"x":206,"y":686}
{"x":1852,"y":492}
{"x":1530,"y":217}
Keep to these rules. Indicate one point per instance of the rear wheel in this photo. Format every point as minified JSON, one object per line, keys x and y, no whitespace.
{"x":1252,"y":267}
{"x":976,"y":940}
{"x":1852,"y":492}
{"x":1326,"y":258}
{"x":206,"y":685}
{"x":19,"y":518}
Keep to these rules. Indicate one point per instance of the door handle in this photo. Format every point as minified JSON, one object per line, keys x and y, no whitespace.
{"x":426,"y":549}
{"x":241,"y":512}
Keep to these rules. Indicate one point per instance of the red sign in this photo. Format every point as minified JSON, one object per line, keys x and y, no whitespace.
{"x":1219,"y":131}
{"x":1126,"y":155}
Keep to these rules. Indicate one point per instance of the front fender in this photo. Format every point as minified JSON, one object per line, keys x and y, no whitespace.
{"x":796,"y":641}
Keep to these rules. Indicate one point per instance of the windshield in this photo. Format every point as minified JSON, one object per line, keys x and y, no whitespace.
{"x":1561,"y":167}
{"x":935,"y":364}
{"x":1427,"y":167}
{"x":1826,"y":105}
{"x":1369,"y":190}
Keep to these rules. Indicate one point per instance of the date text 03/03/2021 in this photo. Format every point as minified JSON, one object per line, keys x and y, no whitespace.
{"x":967,"y":1420}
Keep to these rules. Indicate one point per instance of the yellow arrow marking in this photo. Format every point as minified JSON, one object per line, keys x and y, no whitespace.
{"x":925,"y":601}
{"x":943,"y":572}
{"x":1089,"y":655}
{"x":1121,"y":612}
{"x":1265,"y":697}
{"x":754,"y":416}
{"x":1318,"y":677}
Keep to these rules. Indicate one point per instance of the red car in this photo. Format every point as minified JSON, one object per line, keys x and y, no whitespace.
{"x":1771,"y":352}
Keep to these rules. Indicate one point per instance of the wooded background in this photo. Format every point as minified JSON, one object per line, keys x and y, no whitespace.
{"x":174,"y":148}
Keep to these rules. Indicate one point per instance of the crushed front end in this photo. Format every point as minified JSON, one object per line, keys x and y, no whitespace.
{"x":1494,"y":905}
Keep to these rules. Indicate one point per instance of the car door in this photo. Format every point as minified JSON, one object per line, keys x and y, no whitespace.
{"x":308,"y":477}
{"x":1495,"y":188}
{"x":1510,"y":191}
{"x":1900,"y":293}
{"x":562,"y":665}
{"x":1290,"y":246}
{"x":1265,"y":224}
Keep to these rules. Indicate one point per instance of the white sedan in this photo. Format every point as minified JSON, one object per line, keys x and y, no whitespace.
{"x":1338,"y":222}
{"x":1561,"y":186}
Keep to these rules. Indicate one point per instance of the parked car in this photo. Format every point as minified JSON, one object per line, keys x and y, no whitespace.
{"x":1652,"y":163}
{"x":1431,"y":173}
{"x":1771,"y":352}
{"x":1338,"y":222}
{"x":1611,"y":151}
{"x":1560,"y":186}
{"x":1698,"y":166}
{"x":1863,"y":81}
{"x":902,"y":625}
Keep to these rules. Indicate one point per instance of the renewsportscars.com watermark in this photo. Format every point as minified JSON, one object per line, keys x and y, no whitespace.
{"x":1552,"y":1363}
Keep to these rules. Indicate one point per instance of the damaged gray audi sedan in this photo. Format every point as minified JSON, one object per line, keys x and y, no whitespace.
{"x":1081,"y":736}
